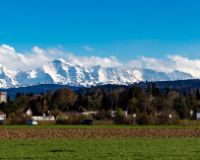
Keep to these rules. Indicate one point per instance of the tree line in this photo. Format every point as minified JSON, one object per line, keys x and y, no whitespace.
{"x":150,"y":105}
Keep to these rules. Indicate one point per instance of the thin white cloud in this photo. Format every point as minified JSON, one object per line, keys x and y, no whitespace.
{"x":185,"y":64}
{"x":94,"y":60}
{"x":88,"y":48}
{"x":37,"y":57}
{"x":14,"y":60}
{"x":169,"y":64}
{"x":163,"y":65}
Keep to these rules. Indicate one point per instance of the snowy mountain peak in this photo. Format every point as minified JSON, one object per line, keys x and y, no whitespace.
{"x":63,"y":72}
{"x":7,"y":78}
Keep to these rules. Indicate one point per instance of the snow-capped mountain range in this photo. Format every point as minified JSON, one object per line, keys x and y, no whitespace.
{"x":60,"y":71}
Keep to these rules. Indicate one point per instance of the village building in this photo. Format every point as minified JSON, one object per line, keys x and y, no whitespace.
{"x":88,"y":113}
{"x":113,"y":113}
{"x":28,"y":112}
{"x":2,"y":116}
{"x":45,"y":117}
{"x":3,"y":97}
{"x":198,"y":115}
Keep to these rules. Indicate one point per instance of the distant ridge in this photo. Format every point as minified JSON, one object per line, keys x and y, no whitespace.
{"x":179,"y":85}
{"x":36,"y":89}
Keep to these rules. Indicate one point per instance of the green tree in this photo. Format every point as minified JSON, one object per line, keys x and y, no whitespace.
{"x":181,"y":107}
{"x":64,"y":100}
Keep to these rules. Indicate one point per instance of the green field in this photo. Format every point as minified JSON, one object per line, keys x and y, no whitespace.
{"x":102,"y":149}
{"x":181,"y":148}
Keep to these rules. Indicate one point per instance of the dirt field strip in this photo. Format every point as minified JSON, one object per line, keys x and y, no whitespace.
{"x":74,"y":133}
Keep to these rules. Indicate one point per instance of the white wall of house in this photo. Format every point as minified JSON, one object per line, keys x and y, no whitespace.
{"x":29,"y":112}
{"x":3,"y":97}
{"x":87,"y":113}
{"x":43,"y":118}
{"x":2,"y":117}
{"x":39,"y":118}
{"x":198,"y":115}
{"x":114,"y":112}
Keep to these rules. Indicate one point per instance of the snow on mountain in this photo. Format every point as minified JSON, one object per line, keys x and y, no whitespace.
{"x":33,"y":77}
{"x":7,"y":78}
{"x":177,"y":75}
{"x":60,"y":71}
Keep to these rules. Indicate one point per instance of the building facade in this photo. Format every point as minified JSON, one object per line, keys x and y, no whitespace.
{"x":198,"y":115}
{"x":3,"y":97}
{"x":2,"y":117}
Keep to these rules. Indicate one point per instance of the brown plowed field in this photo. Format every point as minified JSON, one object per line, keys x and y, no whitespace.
{"x":72,"y":133}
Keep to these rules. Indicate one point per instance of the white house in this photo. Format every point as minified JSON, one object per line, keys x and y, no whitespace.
{"x":2,"y":116}
{"x":87,"y":113}
{"x":114,"y":112}
{"x":198,"y":115}
{"x":3,"y":97}
{"x":29,"y":112}
{"x":43,"y":117}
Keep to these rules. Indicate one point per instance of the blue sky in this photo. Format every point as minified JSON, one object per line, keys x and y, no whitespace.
{"x":126,"y":29}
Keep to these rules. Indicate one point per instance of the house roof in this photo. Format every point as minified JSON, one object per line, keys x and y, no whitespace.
{"x":28,"y":110}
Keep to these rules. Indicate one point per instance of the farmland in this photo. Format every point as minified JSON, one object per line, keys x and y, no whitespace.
{"x":94,"y":132}
{"x":107,"y":149}
{"x":99,"y":142}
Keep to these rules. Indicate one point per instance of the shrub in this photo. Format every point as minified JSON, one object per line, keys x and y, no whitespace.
{"x":71,"y":118}
{"x":120,"y":118}
{"x":101,"y":115}
{"x":16,"y":119}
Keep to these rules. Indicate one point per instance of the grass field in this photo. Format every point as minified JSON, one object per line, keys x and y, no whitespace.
{"x":99,"y":142}
{"x":102,"y":149}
